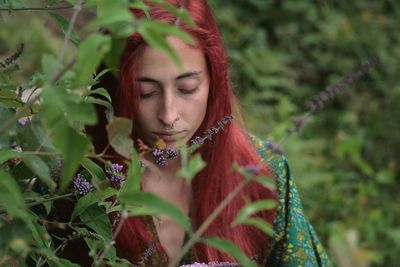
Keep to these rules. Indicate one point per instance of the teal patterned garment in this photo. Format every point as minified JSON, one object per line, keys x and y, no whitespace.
{"x":295,"y":243}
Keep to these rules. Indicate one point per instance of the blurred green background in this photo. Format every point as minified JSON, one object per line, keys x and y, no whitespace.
{"x":346,"y":159}
{"x":282,"y":53}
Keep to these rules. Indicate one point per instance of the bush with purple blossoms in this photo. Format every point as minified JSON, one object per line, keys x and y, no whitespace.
{"x":64,"y":106}
{"x":82,"y":185}
{"x":115,"y":174}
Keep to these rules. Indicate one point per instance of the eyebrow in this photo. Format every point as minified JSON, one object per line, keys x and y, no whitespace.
{"x":189,"y":74}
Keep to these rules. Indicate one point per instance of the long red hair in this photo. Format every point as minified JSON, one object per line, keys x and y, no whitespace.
{"x":231,"y":145}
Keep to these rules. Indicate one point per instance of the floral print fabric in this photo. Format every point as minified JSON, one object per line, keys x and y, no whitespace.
{"x":295,"y":242}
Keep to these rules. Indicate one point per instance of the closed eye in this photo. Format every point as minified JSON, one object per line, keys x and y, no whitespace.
{"x":147,"y":95}
{"x":188,"y":91}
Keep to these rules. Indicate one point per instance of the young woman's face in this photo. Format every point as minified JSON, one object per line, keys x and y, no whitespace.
{"x":173,"y":100}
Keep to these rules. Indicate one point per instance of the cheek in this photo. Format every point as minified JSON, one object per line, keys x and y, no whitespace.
{"x":199,"y":108}
{"x":144,"y":116}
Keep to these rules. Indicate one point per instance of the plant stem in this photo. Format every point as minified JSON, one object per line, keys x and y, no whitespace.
{"x":36,"y":8}
{"x":28,"y":104}
{"x":77,"y":7}
{"x":49,"y":199}
{"x":203,"y":227}
{"x":103,"y":253}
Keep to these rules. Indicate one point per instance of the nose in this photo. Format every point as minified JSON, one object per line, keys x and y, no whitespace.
{"x":168,"y":109}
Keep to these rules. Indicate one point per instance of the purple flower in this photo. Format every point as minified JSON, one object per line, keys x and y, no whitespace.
{"x":253,"y":169}
{"x":116,"y":175}
{"x":197,"y":140}
{"x":171,"y":153}
{"x":212,"y":264}
{"x":8,"y":61}
{"x":298,"y":123}
{"x":275,"y":147}
{"x":18,"y":148}
{"x":319,"y":101}
{"x":157,"y":152}
{"x":196,"y":264}
{"x":116,"y":168}
{"x":208,"y":134}
{"x":81,"y":185}
{"x":22,"y":121}
{"x":161,"y":161}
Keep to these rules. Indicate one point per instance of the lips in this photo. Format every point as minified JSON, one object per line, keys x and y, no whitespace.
{"x":169,"y":137}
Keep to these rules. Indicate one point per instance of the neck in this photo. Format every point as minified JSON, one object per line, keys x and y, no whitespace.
{"x":168,"y":171}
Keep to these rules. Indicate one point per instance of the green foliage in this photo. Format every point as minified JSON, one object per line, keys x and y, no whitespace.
{"x":229,"y":248}
{"x":150,"y":204}
{"x":119,"y":130}
{"x":281,"y":54}
{"x":284,"y":52}
{"x":11,"y":197}
{"x":44,"y":147}
{"x":64,"y":25}
{"x":192,"y":167}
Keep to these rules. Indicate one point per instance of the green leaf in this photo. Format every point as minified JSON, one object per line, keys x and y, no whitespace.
{"x":39,"y":233}
{"x":53,"y":2}
{"x":91,"y":52}
{"x":95,"y":170}
{"x":195,"y":164}
{"x":73,"y":147}
{"x":139,"y":5}
{"x":230,"y":248}
{"x":110,"y":109}
{"x":11,"y":198}
{"x":119,"y":131}
{"x":254,"y":207}
{"x":386,"y":176}
{"x":260,"y":224}
{"x":132,"y":183}
{"x":157,"y":40}
{"x":182,"y":13}
{"x":101,"y":74}
{"x":99,"y":91}
{"x":83,"y":203}
{"x":9,"y":154}
{"x":15,"y":236}
{"x":13,"y":4}
{"x":35,"y":136}
{"x":97,"y":219}
{"x":61,"y":105}
{"x":266,"y":182}
{"x":10,"y":131}
{"x":60,"y":262}
{"x":80,"y":112}
{"x":90,"y":199}
{"x":166,"y":29}
{"x":64,"y":24}
{"x":9,"y":99}
{"x":49,"y":64}
{"x":112,"y":15}
{"x":156,"y":205}
{"x":112,"y":58}
{"x":21,"y":171}
{"x":39,"y":167}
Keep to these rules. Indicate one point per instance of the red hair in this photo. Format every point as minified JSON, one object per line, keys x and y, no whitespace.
{"x":231,"y":145}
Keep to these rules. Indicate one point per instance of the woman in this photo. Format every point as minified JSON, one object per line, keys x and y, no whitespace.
{"x":173,"y":103}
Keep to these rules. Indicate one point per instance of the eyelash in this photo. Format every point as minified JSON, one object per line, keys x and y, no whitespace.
{"x":183,"y":91}
{"x":188,"y":91}
{"x":148,"y":95}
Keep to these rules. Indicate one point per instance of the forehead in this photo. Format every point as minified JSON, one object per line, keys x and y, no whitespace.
{"x":156,"y":62}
